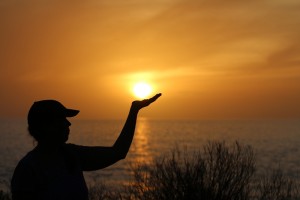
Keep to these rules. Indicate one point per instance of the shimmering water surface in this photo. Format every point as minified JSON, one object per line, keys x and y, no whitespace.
{"x":276,"y":142}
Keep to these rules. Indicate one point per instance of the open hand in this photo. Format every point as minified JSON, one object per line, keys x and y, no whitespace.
{"x":146,"y":102}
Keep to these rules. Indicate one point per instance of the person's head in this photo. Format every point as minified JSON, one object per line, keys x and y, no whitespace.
{"x":47,"y":121}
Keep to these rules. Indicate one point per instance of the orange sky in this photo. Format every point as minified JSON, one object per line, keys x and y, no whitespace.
{"x":216,"y":59}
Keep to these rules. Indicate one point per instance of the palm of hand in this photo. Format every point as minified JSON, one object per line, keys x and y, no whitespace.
{"x":144,"y":103}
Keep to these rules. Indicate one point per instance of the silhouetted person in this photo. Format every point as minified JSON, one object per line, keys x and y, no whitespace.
{"x":53,"y":170}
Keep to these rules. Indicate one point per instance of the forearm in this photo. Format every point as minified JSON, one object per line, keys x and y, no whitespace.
{"x":122,"y":144}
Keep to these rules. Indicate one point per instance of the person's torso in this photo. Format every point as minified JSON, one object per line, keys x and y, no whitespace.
{"x":56,"y":177}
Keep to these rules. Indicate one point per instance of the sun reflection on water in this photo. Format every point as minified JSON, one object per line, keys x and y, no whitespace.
{"x":140,"y":147}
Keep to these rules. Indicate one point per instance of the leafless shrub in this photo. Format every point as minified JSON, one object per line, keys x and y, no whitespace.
{"x":100,"y":191}
{"x":277,"y":186}
{"x":220,"y":172}
{"x":228,"y":170}
{"x":174,"y":177}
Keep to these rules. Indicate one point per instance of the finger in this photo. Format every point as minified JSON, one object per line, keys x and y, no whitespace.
{"x":155,"y":97}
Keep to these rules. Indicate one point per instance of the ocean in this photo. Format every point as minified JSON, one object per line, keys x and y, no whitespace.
{"x":276,"y":143}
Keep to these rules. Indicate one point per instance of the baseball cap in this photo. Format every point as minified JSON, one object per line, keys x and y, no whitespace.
{"x":45,"y":110}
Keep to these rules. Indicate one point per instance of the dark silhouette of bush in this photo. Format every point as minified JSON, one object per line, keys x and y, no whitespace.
{"x":101,"y":191}
{"x":218,"y":172}
{"x":276,"y":186}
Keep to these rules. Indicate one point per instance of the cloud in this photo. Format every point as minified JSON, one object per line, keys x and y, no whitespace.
{"x":141,"y":35}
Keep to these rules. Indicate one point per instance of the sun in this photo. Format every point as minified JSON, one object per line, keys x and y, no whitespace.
{"x":142,"y":89}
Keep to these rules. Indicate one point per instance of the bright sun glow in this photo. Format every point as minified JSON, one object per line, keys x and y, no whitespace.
{"x":142,"y":90}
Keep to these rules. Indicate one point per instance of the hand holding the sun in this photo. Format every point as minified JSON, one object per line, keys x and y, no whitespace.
{"x":137,"y":105}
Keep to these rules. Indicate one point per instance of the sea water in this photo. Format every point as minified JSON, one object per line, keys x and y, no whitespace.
{"x":275,"y":142}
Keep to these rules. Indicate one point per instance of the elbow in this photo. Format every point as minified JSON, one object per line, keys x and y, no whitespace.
{"x":119,"y":157}
{"x":120,"y":154}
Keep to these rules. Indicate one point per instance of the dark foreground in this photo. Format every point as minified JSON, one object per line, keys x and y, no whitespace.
{"x":217,"y":171}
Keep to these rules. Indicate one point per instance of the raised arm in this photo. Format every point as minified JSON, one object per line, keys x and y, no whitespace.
{"x":99,"y":157}
{"x":123,"y":142}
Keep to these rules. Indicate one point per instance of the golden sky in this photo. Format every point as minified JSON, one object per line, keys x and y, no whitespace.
{"x":211,"y":59}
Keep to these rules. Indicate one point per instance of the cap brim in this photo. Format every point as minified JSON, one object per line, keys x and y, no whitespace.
{"x":71,"y":112}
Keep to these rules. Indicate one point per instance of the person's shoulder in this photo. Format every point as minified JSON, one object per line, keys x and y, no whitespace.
{"x":23,"y":172}
{"x":74,"y":148}
{"x":29,"y":159}
{"x":78,"y":151}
